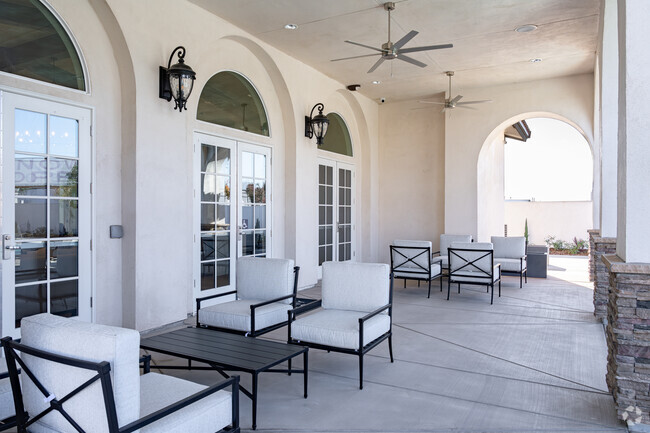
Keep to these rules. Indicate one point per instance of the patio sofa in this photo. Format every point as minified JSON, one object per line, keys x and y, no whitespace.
{"x":79,"y":376}
{"x":510,"y":252}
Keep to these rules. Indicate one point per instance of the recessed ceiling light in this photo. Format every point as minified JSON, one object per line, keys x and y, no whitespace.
{"x":376,"y":82}
{"x":290,"y":26}
{"x":526,"y":28}
{"x":536,"y":60}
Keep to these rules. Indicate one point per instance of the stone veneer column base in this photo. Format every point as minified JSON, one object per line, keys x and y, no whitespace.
{"x":628,"y":338}
{"x":598,"y":272}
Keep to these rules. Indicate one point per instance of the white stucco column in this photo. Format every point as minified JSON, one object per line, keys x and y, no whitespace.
{"x":608,"y":66}
{"x":633,"y":234}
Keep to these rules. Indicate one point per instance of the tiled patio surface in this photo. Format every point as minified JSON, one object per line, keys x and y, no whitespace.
{"x":534,"y":361}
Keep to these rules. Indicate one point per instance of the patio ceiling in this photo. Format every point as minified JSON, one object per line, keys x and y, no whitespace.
{"x":487,"y":51}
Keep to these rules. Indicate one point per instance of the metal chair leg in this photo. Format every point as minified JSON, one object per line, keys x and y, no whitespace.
{"x":492,"y":295}
{"x":360,"y":370}
{"x":429,"y":295}
{"x":390,"y":347}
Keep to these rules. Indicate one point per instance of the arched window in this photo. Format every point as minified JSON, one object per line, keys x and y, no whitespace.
{"x":34,"y":44}
{"x":337,"y":139}
{"x":230,"y":100}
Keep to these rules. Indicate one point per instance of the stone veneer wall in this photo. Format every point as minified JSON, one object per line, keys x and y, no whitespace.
{"x":598,"y":272}
{"x":628,"y":338}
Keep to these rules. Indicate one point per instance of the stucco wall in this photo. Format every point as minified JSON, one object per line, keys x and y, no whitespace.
{"x":490,"y":188}
{"x":568,"y":98}
{"x":411,"y":167}
{"x":562,"y":219}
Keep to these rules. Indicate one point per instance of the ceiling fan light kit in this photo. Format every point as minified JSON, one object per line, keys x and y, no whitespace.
{"x":390,"y":50}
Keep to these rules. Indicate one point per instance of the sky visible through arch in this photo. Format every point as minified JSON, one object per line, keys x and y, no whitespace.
{"x":555,"y":164}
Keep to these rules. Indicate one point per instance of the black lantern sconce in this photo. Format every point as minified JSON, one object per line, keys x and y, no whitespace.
{"x":176,"y":81}
{"x":316,"y":125}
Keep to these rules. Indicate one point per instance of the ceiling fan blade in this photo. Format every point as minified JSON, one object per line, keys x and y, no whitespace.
{"x":426,"y":48}
{"x":432,"y":102}
{"x":475,"y":102}
{"x":456,"y":99}
{"x":411,"y":60}
{"x":365,"y":46}
{"x":355,"y":57}
{"x":410,"y":35}
{"x":376,"y":65}
{"x":466,"y":107}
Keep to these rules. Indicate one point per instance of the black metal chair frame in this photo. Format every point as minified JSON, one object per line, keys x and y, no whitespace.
{"x":418,"y":272}
{"x":24,"y":420}
{"x":482,"y":274}
{"x":523,"y":274}
{"x":253,"y":332}
{"x":363,"y":349}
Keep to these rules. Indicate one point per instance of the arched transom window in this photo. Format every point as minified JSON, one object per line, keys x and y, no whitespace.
{"x":337,"y":139}
{"x":229,"y":99}
{"x":34,"y":44}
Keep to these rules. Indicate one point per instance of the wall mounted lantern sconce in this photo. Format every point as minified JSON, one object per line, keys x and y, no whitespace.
{"x":316,"y":125}
{"x":176,"y":81}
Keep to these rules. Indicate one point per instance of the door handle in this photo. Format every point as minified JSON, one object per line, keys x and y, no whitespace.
{"x":7,"y":248}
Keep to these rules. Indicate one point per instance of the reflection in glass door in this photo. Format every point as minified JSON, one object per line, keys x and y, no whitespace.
{"x":335,"y":211}
{"x":46,"y":207}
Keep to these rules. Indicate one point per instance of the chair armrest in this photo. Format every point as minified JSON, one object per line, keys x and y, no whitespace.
{"x":307,"y":307}
{"x":270,"y":301}
{"x":435,"y":252}
{"x":205,"y":298}
{"x":174,"y":407}
{"x":146,"y":364}
{"x":374,"y":313}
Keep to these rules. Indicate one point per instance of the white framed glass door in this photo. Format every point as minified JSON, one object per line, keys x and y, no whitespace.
{"x":46,"y":210}
{"x":231,"y":207}
{"x":336,"y":210}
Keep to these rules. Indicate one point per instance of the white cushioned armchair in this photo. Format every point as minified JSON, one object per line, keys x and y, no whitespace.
{"x":411,"y":260}
{"x":445,"y":242}
{"x":473,"y":263}
{"x":89,"y":375}
{"x":510,"y":252}
{"x":266,"y":289}
{"x":356,"y":312}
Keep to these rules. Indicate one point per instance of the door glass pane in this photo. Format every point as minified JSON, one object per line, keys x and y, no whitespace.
{"x":260,"y":217}
{"x":63,"y":177}
{"x":208,"y":222}
{"x":30,"y":262}
{"x":30,"y":214}
{"x":260,"y":242}
{"x":64,"y":134}
{"x":31,"y":129}
{"x":247,"y":214}
{"x":223,"y":245}
{"x":223,"y":161}
{"x":207,"y":246}
{"x":223,"y":217}
{"x":64,"y":259}
{"x":223,"y":273}
{"x":260,"y":192}
{"x":64,"y":298}
{"x":223,"y":189}
{"x":207,"y":159}
{"x":247,"y":164}
{"x":247,"y":239}
{"x":30,"y":175}
{"x":30,"y":300}
{"x":260,"y":166}
{"x":208,"y":187}
{"x":207,"y":275}
{"x":63,"y":218}
{"x":247,"y":191}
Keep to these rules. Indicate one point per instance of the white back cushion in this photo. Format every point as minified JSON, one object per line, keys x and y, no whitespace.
{"x":510,"y":247}
{"x":355,"y":286}
{"x":482,"y":262}
{"x":417,"y":254}
{"x":264,"y":279}
{"x":89,"y":342}
{"x":446,"y":240}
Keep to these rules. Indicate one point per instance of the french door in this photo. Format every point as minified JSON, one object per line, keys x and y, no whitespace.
{"x":46,"y":210}
{"x":232,"y":208}
{"x":335,"y":211}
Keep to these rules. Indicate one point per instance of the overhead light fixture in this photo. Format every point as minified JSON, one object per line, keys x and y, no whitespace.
{"x":291,"y":26}
{"x":316,"y":125}
{"x":526,"y":28}
{"x":536,"y":60}
{"x":376,"y":82}
{"x":176,"y":81}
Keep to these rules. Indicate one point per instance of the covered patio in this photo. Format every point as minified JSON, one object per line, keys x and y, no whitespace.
{"x":460,"y":365}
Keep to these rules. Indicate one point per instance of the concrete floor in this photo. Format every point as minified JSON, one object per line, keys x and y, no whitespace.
{"x":535,"y":361}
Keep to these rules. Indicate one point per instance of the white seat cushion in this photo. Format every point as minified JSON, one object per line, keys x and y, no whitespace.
{"x":417,"y":272}
{"x":475,"y":277}
{"x":6,"y":397}
{"x":441,"y":260}
{"x":510,"y":265}
{"x":339,"y":328}
{"x":237,"y":315}
{"x":207,"y":415}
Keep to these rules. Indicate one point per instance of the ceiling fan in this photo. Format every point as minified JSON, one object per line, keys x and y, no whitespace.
{"x":390,"y":51}
{"x":454,"y":103}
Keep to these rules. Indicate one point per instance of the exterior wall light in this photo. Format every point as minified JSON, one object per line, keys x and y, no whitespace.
{"x":316,"y":125}
{"x":176,"y":81}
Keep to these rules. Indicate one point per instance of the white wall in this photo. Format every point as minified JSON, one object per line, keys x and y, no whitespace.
{"x":562,"y":219}
{"x":568,"y":98}
{"x":490,"y":189}
{"x":411,"y":167}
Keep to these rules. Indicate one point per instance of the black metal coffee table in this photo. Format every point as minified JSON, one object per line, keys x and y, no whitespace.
{"x":228,"y":352}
